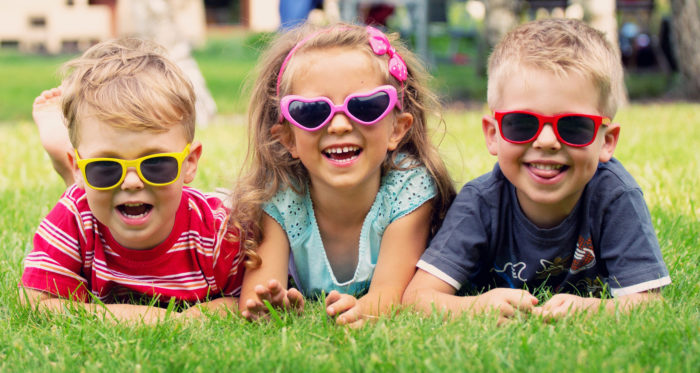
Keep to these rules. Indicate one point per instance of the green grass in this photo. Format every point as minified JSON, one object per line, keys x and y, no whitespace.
{"x":659,"y":146}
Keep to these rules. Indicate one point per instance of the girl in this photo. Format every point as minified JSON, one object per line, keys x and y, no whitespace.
{"x":341,"y":164}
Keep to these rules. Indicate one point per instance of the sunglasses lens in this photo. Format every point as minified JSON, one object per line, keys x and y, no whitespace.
{"x":309,"y":114}
{"x":159,"y":170}
{"x":576,"y":130}
{"x":103,"y":174}
{"x":519,"y":127}
{"x":370,"y":108}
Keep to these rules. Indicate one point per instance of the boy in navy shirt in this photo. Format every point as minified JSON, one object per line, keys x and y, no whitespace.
{"x":557,"y":211}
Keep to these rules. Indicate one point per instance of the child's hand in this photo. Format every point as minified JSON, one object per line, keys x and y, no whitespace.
{"x":505,"y":301}
{"x":278,"y":297}
{"x":347,"y":307}
{"x":562,"y":305}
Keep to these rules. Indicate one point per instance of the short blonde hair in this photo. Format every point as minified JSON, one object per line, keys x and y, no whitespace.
{"x":562,"y":47}
{"x":127,"y":83}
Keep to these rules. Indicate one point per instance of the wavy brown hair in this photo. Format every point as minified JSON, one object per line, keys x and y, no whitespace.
{"x":269,"y":166}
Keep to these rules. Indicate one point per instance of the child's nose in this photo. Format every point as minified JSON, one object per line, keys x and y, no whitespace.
{"x":132,"y":181}
{"x":340,"y":124}
{"x":547,"y":139}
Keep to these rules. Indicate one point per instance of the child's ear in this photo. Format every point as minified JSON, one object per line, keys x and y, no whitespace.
{"x":490,"y":128}
{"x":612,"y":134}
{"x":189,"y":165}
{"x":404,"y":121}
{"x":77,"y":175}
{"x":284,"y":135}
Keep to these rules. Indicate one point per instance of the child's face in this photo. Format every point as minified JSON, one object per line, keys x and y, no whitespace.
{"x":138,"y":215}
{"x":343,"y":153}
{"x":549,"y":176}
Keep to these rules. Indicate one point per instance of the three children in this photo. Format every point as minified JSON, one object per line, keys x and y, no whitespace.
{"x":345,"y":188}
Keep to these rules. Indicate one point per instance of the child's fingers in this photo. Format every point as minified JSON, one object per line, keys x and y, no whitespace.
{"x":296,"y":299}
{"x":555,"y":308}
{"x":357,"y":324}
{"x":263,"y":292}
{"x":344,"y":303}
{"x":332,"y":297}
{"x":274,"y":287}
{"x":349,"y":317}
{"x":278,"y":295}
{"x":254,"y":309}
{"x":522,"y":300}
{"x":506,"y":310}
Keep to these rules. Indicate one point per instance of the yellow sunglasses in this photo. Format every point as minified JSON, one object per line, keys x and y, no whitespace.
{"x":156,"y":169}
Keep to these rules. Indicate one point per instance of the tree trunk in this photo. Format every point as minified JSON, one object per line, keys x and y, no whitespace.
{"x":686,"y":29}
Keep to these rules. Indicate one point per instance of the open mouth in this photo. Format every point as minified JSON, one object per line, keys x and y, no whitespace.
{"x":134,"y":210}
{"x":547,"y":170}
{"x":342,"y":153}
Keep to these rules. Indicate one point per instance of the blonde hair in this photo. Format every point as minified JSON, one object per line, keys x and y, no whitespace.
{"x":561,"y":47}
{"x":270,"y":167}
{"x":127,"y":83}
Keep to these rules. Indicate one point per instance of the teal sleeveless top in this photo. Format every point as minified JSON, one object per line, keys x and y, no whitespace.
{"x":400,"y":192}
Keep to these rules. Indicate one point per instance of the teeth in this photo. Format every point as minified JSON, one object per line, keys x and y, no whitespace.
{"x":135,"y":210}
{"x":339,"y":150}
{"x":546,"y":166}
{"x":136,"y":216}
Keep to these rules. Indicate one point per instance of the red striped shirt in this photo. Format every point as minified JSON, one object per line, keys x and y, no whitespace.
{"x":74,"y":255}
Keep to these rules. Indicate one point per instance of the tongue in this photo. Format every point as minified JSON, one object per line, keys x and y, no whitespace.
{"x":134,"y":210}
{"x":545,"y":174}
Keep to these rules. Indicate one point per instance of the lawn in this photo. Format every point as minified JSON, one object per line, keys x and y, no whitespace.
{"x":659,"y":146}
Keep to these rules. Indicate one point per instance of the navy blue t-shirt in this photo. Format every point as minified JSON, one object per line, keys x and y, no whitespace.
{"x":486,"y":241}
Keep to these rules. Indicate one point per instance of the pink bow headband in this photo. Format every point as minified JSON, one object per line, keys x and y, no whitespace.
{"x":380,"y":46}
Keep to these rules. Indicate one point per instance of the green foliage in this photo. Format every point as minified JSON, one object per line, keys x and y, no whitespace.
{"x":228,"y":60}
{"x":658,"y":145}
{"x":23,"y":78}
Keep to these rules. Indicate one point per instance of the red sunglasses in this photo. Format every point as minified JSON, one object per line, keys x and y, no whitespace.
{"x":578,"y":130}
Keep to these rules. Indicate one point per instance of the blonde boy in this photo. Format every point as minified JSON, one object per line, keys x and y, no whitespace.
{"x":557,"y":211}
{"x":129,"y":228}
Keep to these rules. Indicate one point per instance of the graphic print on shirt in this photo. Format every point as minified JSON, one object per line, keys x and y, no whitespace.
{"x":516,"y":271}
{"x":584,"y":257}
{"x":552,"y":268}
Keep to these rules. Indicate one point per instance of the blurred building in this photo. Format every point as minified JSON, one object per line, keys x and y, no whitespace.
{"x":55,"y":26}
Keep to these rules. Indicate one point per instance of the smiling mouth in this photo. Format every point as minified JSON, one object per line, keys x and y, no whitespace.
{"x":548,"y":170}
{"x":134,"y":210}
{"x":342,"y":153}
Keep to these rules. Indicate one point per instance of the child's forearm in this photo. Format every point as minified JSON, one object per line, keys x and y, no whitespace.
{"x":562,"y":305}
{"x":220,"y":306}
{"x":626,"y":303}
{"x":380,"y":302}
{"x":128,"y":313}
{"x":429,"y":300}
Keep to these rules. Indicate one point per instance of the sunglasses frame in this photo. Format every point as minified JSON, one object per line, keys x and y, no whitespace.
{"x":388,"y":89}
{"x":135,"y":163}
{"x":598,"y":120}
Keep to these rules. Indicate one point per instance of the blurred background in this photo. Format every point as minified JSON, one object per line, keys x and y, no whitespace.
{"x":217,"y":42}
